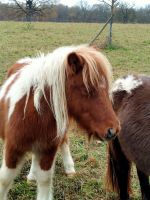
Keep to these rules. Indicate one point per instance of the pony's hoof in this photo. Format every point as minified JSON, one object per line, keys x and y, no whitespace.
{"x":71,"y":175}
{"x":31,"y":179}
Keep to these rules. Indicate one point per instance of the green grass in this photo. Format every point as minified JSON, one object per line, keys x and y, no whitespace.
{"x":130,"y":53}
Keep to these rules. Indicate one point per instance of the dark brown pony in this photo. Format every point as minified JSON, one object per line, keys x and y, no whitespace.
{"x":37,"y":101}
{"x":131,"y":96}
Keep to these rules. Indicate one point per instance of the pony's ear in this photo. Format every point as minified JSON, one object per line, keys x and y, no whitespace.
{"x":75,"y":62}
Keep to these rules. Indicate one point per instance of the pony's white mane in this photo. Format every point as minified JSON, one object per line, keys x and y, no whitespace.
{"x":50,"y":70}
{"x":25,"y":60}
{"x":127,"y":84}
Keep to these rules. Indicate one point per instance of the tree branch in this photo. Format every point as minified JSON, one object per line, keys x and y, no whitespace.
{"x":105,"y":2}
{"x":20,"y":6}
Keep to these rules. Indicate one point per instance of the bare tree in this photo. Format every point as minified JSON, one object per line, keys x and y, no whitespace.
{"x":33,"y":7}
{"x":126,"y":9}
{"x":112,"y":4}
{"x":84,"y":6}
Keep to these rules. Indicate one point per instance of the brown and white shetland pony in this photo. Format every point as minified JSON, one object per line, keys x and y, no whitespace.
{"x":37,"y":100}
{"x":131,"y":96}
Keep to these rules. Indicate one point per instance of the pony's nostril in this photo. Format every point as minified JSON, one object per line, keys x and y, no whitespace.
{"x":111,"y":133}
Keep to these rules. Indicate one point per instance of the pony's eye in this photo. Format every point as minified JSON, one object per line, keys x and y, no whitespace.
{"x":85,"y":92}
{"x":92,"y":93}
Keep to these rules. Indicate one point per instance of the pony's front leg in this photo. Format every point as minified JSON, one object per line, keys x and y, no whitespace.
{"x":45,"y":184}
{"x":44,"y":175}
{"x":67,"y":158}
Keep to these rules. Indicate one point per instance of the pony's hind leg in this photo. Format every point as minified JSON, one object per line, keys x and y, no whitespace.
{"x":32,"y":173}
{"x":144,"y":184}
{"x":8,"y":171}
{"x":67,"y":161}
{"x":67,"y":158}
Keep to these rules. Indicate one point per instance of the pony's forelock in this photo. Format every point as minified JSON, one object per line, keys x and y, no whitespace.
{"x":96,"y":62}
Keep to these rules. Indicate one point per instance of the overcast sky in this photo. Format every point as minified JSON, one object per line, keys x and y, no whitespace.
{"x":137,"y":3}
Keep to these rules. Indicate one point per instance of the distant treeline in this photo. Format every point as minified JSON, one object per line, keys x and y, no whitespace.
{"x":61,"y":13}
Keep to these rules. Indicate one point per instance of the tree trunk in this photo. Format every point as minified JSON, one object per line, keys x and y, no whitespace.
{"x":29,"y":9}
{"x":28,"y":17}
{"x":110,"y":24}
{"x":110,"y":32}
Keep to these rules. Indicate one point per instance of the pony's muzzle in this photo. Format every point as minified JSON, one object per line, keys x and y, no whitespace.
{"x":111,"y":134}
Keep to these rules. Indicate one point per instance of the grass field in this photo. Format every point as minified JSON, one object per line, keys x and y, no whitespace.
{"x":130,"y":53}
